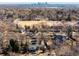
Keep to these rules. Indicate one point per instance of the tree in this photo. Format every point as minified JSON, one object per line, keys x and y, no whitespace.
{"x":13,"y":45}
{"x":68,"y":18}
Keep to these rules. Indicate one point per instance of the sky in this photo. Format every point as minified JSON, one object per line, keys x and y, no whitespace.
{"x":31,"y":1}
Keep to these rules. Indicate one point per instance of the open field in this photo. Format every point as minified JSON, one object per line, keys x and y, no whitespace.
{"x":49,"y":23}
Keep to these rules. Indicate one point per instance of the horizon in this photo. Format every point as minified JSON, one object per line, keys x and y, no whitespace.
{"x":39,"y":2}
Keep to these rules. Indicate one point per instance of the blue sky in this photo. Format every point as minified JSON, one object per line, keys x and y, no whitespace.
{"x":40,"y":2}
{"x":35,"y":1}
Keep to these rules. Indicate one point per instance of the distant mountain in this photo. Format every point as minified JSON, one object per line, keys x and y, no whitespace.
{"x":33,"y":5}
